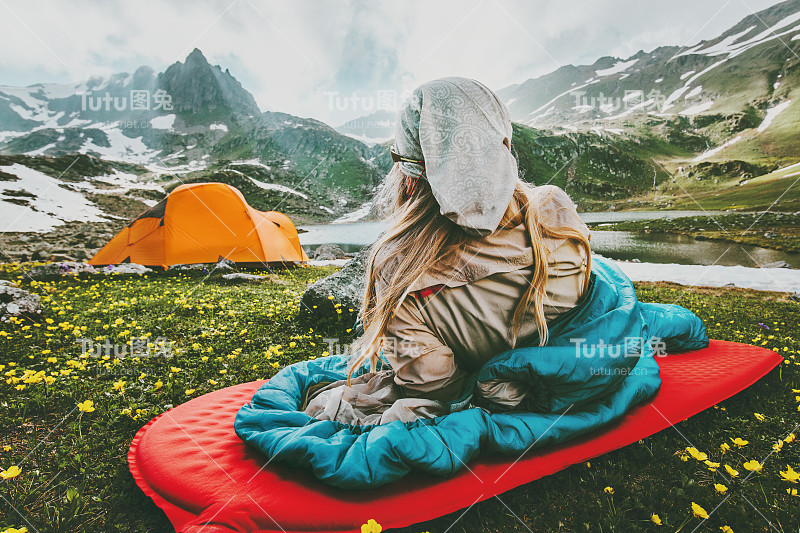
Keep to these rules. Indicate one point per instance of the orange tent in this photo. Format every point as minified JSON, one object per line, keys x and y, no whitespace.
{"x":201,"y":223}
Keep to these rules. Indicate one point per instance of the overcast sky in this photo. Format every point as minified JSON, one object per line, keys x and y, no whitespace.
{"x":298,"y":56}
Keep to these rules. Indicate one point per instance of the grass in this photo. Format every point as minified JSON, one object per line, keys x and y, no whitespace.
{"x":779,"y":231}
{"x":74,"y":474}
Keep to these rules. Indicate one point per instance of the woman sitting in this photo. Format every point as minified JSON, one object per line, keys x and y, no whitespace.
{"x":474,"y":262}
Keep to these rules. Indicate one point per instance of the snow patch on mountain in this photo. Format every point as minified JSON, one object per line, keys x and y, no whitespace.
{"x":122,"y":147}
{"x":47,"y":203}
{"x":730,"y":47}
{"x":618,"y":67}
{"x":274,"y":186}
{"x":697,"y":109}
{"x":115,"y":183}
{"x":550,"y":103}
{"x":354,"y":216}
{"x":709,"y":153}
{"x":164,"y":122}
{"x":253,"y":162}
{"x":771,"y":114}
{"x":694,"y":92}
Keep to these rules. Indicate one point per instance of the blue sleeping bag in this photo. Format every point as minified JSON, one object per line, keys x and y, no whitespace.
{"x":598,"y":363}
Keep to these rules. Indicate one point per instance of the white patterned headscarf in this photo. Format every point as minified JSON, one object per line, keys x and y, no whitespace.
{"x":459,"y":128}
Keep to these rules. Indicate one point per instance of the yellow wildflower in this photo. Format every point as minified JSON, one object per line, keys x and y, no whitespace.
{"x":699,"y":512}
{"x":726,"y":529}
{"x":740,"y":442}
{"x":722,"y":489}
{"x":731,"y":471}
{"x":700,"y":456}
{"x":753,"y":466}
{"x":790,"y":475}
{"x":654,"y":518}
{"x":724,"y":448}
{"x":86,"y":407}
{"x":371,"y":526}
{"x":13,"y":471}
{"x":608,"y":490}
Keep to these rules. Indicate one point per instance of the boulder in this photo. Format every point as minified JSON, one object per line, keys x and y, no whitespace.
{"x":225,"y":264}
{"x":62,"y":258}
{"x":346,"y":286}
{"x":777,"y":264}
{"x":241,"y":277}
{"x":81,"y":254}
{"x":327,"y":252}
{"x":15,"y":301}
{"x":127,"y":268}
{"x":196,"y":266}
{"x":63,"y":268}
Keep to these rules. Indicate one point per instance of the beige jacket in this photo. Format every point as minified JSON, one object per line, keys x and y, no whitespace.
{"x":437,"y":338}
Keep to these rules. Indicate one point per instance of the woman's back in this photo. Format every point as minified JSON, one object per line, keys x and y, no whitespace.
{"x":460,"y":315}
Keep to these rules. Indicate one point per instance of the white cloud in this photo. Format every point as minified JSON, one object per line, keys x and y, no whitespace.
{"x":290,"y":54}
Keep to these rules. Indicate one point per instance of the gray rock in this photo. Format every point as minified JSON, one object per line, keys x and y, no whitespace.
{"x":225,"y":264}
{"x":62,"y":258}
{"x":127,"y":268}
{"x":15,"y":301}
{"x":195,"y":266}
{"x":326,"y":252}
{"x":777,"y":264}
{"x":242,"y":277}
{"x":64,"y":268}
{"x":346,"y":286}
{"x":81,"y":254}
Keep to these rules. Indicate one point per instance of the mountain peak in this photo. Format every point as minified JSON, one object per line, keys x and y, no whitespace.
{"x":196,"y":56}
{"x":198,"y":88}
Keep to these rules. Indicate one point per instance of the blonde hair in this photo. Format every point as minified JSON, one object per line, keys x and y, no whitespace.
{"x":419,"y":237}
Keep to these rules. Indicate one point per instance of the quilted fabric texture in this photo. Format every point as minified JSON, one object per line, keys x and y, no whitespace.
{"x":192,"y":464}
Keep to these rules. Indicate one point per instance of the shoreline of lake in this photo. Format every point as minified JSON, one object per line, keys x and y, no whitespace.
{"x":629,"y":245}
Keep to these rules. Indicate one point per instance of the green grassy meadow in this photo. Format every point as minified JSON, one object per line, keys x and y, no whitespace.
{"x":68,"y":417}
